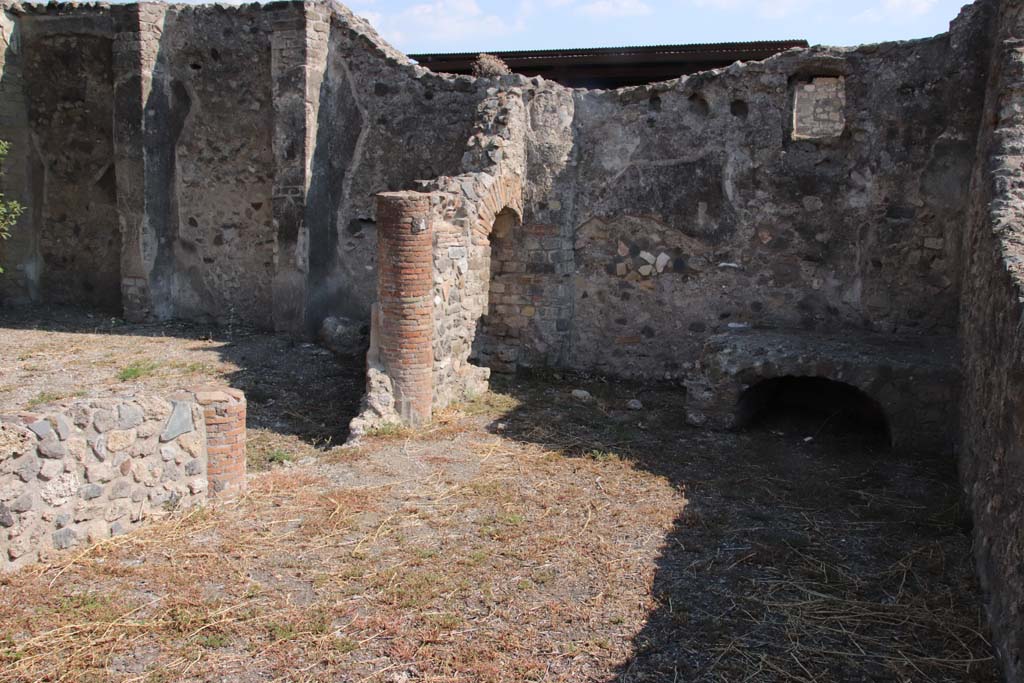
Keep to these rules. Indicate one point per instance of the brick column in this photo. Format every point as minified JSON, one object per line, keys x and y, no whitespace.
{"x":224,"y":414}
{"x":405,"y":284}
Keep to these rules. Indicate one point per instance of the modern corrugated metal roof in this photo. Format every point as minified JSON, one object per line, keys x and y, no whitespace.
{"x":611,"y":67}
{"x":687,"y":48}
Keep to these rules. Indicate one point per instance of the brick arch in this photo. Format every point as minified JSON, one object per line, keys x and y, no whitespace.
{"x":869,"y":380}
{"x":763,"y":392}
{"x":914,"y":381}
{"x":866,"y":380}
{"x":504,"y":193}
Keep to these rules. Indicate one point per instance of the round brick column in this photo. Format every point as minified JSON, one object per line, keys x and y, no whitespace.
{"x":224,"y":414}
{"x":405,"y":291}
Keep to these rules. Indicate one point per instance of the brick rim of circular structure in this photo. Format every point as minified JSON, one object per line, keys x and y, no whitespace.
{"x":224,"y":412}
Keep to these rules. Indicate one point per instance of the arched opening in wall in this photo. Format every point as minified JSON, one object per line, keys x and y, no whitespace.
{"x":814,"y":407}
{"x":499,"y":332}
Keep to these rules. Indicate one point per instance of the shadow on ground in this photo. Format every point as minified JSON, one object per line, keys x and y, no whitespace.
{"x":294,"y":389}
{"x":807,"y":550}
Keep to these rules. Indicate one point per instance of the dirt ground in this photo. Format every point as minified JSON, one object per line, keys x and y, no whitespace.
{"x":300,"y":396}
{"x":523,"y":537}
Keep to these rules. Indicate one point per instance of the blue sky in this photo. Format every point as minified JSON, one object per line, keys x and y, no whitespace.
{"x":477,"y":25}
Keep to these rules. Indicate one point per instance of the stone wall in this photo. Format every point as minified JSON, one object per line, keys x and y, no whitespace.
{"x":992,"y":337}
{"x":435,"y":270}
{"x":821,"y":190}
{"x":68,"y":75}
{"x":59,"y":98}
{"x":96,"y":469}
{"x":19,"y":255}
{"x":280,"y":164}
{"x":209,"y":122}
{"x":382,"y":124}
{"x":213,"y":162}
{"x":75,"y":474}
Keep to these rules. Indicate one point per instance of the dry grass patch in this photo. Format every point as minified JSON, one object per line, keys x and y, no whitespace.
{"x":486,"y":569}
{"x":523,"y":536}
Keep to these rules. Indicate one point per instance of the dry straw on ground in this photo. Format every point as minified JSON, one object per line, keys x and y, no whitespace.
{"x":522,"y":537}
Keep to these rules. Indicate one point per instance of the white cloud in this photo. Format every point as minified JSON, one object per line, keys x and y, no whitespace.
{"x":615,"y":8}
{"x":441,"y":22}
{"x":911,"y":8}
{"x":374,"y":18}
{"x":896,"y":10}
{"x":770,"y":9}
{"x":718,"y":4}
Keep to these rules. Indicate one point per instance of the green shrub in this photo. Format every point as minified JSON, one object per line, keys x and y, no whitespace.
{"x":9,"y":209}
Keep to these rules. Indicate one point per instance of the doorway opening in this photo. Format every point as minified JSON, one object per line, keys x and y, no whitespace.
{"x":500,"y":329}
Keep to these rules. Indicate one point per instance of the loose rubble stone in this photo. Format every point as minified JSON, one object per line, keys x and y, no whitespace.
{"x":64,"y":538}
{"x":6,"y":517}
{"x":42,"y":428}
{"x":81,"y":414}
{"x":635,"y":404}
{"x":159,"y":497}
{"x":90,"y":491}
{"x":77,"y":447}
{"x":98,"y":473}
{"x":51,"y":469}
{"x":99,"y":447}
{"x":15,"y":442}
{"x":60,"y":489}
{"x":180,"y":421}
{"x":192,"y":443}
{"x":65,"y":427}
{"x":120,"y":489}
{"x":129,"y":416}
{"x":104,"y":420}
{"x":662,"y":262}
{"x":23,"y":503}
{"x":582,"y":395}
{"x":171,"y":472}
{"x":50,"y":447}
{"x":27,"y":467}
{"x":120,"y":439}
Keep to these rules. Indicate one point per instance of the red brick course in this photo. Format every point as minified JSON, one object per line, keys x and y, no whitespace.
{"x":224,"y":412}
{"x":405,"y":290}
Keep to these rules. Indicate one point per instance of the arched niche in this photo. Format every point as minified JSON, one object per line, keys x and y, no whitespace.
{"x":818,"y":405}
